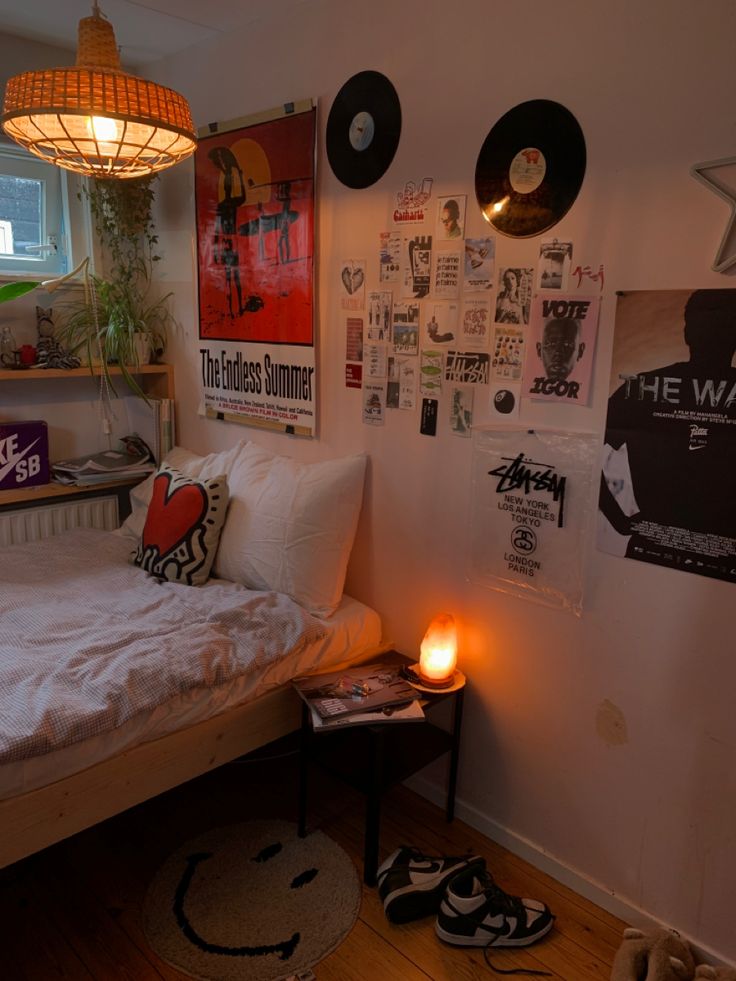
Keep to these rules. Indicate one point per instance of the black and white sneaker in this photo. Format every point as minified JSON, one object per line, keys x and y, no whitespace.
{"x":475,"y":912}
{"x":412,"y":885}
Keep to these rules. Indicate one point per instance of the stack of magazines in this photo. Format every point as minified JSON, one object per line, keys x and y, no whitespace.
{"x":133,"y":460}
{"x":363,"y":695}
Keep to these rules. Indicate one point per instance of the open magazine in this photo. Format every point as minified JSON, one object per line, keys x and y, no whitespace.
{"x":413,"y":712}
{"x":364,"y":688}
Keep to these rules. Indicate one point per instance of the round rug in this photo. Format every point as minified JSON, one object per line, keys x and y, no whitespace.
{"x":251,"y":901}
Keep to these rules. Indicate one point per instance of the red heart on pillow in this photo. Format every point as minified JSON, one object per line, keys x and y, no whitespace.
{"x":172,"y":518}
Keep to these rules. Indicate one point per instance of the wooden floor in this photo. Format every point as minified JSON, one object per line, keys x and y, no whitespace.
{"x":74,"y":911}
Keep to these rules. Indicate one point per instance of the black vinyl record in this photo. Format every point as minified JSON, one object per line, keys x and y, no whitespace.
{"x":530,"y":168}
{"x":363,"y":129}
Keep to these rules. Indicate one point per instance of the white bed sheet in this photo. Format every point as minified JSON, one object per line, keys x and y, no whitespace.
{"x":352,"y":631}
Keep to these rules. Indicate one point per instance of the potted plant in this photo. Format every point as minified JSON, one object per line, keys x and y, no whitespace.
{"x":120,"y":321}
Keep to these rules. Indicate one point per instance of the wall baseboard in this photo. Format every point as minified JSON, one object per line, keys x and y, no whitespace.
{"x":534,"y":854}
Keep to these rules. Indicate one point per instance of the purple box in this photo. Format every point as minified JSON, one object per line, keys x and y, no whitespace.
{"x":24,"y":454}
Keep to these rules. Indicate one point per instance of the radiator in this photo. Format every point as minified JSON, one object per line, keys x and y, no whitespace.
{"x":32,"y":524}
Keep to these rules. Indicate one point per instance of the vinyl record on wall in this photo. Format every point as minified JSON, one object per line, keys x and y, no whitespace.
{"x":530,"y":168}
{"x":363,"y":129}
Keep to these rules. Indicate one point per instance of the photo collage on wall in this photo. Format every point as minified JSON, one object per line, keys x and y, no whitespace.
{"x":447,"y":320}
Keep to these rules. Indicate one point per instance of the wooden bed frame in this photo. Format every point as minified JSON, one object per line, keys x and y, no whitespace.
{"x":41,"y":817}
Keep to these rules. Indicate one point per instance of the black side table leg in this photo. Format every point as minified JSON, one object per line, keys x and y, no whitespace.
{"x":304,"y":753}
{"x":457,"y":722}
{"x":373,"y":808}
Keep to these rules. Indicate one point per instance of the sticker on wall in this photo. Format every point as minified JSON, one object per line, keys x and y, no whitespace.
{"x":467,"y":367}
{"x":430,"y":373}
{"x":428,"y":424}
{"x":406,"y":327}
{"x":480,"y":260}
{"x":446,"y":275}
{"x":389,"y":257}
{"x":461,"y":410}
{"x":559,"y":358}
{"x":531,"y":513}
{"x":439,"y":322}
{"x":514,"y":296}
{"x":475,"y":323}
{"x":352,"y":284}
{"x":451,"y":216}
{"x":553,"y":271}
{"x":411,"y":202}
{"x":416,"y":260}
{"x":379,"y":315}
{"x":374,"y":403}
{"x":508,"y":353}
{"x":353,"y":351}
{"x":505,"y":401}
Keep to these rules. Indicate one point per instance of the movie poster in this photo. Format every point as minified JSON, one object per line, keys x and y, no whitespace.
{"x":559,"y":358}
{"x":668,"y":485}
{"x":531,"y":513}
{"x":254,"y":185}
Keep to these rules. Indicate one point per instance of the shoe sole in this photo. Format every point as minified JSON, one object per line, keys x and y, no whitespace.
{"x":458,"y":941}
{"x":413,"y":902}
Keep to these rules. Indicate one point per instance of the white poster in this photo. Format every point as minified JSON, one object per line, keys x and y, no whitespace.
{"x":531,"y":513}
{"x":446,"y":274}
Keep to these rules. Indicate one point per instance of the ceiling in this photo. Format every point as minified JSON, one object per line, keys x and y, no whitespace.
{"x":146,"y":30}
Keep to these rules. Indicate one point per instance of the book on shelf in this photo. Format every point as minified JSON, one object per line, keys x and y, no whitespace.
{"x":404,"y":712}
{"x":133,"y":459}
{"x":363,"y":688}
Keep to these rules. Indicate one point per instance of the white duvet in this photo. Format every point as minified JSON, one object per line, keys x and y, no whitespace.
{"x":87,"y":640}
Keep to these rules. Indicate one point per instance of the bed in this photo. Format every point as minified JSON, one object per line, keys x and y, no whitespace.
{"x":116,"y":685}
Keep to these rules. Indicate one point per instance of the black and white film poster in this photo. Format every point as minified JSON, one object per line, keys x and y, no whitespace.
{"x":533,"y":503}
{"x":668,"y":486}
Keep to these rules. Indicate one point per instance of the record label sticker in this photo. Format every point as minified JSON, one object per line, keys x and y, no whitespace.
{"x":362,"y":130}
{"x":527,"y":170}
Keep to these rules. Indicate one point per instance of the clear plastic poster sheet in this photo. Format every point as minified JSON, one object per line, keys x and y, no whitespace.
{"x":531,"y":513}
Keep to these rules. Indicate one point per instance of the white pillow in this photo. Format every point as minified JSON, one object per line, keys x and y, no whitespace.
{"x":290,"y":526}
{"x":191,"y":464}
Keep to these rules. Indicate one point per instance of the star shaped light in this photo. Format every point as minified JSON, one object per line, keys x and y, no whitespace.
{"x":725,"y":187}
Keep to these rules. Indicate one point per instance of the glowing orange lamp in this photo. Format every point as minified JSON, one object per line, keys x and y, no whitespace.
{"x":438,"y":652}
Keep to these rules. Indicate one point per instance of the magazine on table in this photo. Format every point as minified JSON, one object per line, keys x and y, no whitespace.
{"x":363,"y":688}
{"x":411,"y":712}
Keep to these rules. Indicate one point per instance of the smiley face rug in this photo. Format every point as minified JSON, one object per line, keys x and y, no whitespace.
{"x":251,"y":901}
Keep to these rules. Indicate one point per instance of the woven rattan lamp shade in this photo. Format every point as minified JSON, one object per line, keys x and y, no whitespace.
{"x":96,"y":119}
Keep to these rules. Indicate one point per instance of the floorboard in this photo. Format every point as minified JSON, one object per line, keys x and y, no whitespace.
{"x":73,"y":912}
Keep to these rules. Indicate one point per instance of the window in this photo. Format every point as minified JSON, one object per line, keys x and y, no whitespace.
{"x":43,"y":223}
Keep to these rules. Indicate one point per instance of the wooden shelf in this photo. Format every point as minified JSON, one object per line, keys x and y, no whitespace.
{"x":30,"y":374}
{"x":35,"y":495}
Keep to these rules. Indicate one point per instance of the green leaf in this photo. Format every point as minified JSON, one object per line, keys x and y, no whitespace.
{"x":10,"y":291}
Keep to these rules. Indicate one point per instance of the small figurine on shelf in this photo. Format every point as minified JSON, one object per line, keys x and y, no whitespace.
{"x":50,"y":353}
{"x":7,"y":347}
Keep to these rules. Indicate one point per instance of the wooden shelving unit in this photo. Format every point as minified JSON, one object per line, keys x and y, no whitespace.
{"x":156,"y":380}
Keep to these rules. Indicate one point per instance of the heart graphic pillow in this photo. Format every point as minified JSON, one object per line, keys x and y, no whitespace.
{"x":183,"y":526}
{"x":352,"y":279}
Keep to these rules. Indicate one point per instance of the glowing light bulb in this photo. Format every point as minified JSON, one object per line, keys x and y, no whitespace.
{"x":438,"y":652}
{"x":103,"y":129}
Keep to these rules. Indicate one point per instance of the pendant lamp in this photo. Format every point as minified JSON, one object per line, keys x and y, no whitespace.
{"x":94,"y":118}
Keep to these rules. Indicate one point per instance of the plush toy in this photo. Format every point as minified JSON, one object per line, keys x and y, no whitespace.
{"x":659,"y":955}
{"x":708,"y":973}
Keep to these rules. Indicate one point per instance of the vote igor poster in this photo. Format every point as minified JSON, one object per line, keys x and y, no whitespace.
{"x":559,"y":357}
{"x":669,"y":467}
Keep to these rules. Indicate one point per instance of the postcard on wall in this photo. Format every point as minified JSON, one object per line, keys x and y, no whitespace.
{"x":411,"y":202}
{"x":505,"y":401}
{"x":669,"y":480}
{"x":508,"y":353}
{"x":254,"y":190}
{"x":461,"y":410}
{"x":439,"y":322}
{"x":406,"y":327}
{"x":479,"y":264}
{"x":451,"y":217}
{"x":416,"y":261}
{"x":352,"y":284}
{"x":514,"y":297}
{"x":353,"y":351}
{"x":559,"y":357}
{"x":375,"y":359}
{"x":374,"y":403}
{"x":428,"y":419}
{"x":389,"y":257}
{"x":446,"y":274}
{"x":553,"y":271}
{"x":401,"y":389}
{"x":379,"y":315}
{"x":430,"y":373}
{"x":475,"y":323}
{"x":467,"y":367}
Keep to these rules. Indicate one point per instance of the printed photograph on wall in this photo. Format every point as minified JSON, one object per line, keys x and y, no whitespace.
{"x":439,"y":323}
{"x":514,"y":296}
{"x":451,"y":217}
{"x":561,"y":349}
{"x":480,"y":255}
{"x":254,"y":187}
{"x":508,"y":353}
{"x":553,"y":271}
{"x":461,"y":410}
{"x":668,"y":483}
{"x":406,"y":327}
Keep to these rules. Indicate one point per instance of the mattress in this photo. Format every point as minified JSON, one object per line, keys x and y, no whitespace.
{"x":288,"y":642}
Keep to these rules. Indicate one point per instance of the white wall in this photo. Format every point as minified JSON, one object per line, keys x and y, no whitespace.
{"x":651,"y":821}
